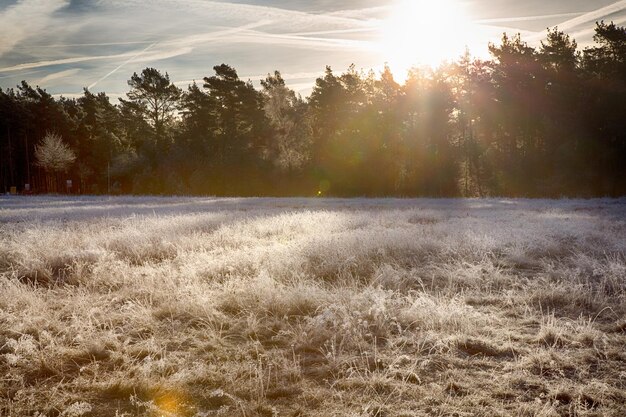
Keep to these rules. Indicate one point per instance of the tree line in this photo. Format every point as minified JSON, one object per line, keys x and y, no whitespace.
{"x":535,"y":122}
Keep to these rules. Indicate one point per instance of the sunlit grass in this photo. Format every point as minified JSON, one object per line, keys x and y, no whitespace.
{"x":312,"y":307}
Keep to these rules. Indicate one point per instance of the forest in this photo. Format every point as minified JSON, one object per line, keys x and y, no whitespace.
{"x":548,"y":121}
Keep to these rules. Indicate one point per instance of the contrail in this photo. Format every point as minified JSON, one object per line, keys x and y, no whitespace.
{"x":67,"y":45}
{"x":585,"y":18}
{"x":92,"y":85}
{"x":589,"y":31}
{"x":74,"y":60}
{"x":526,"y":18}
{"x":334,"y":32}
{"x":19,"y":75}
{"x":594,"y":15}
{"x":185,"y":40}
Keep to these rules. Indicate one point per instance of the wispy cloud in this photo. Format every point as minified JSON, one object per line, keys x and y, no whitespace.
{"x":58,"y":75}
{"x":288,"y":76}
{"x":108,"y":74}
{"x":112,"y":96}
{"x":588,"y":32}
{"x":368,"y":13}
{"x":526,"y":18}
{"x":580,"y":20}
{"x":584,"y":19}
{"x":24,"y":19}
{"x":16,"y":75}
{"x":301,"y":88}
{"x":177,"y":47}
{"x":225,"y":12}
{"x":256,"y":77}
{"x":498,"y":30}
{"x":63,"y":61}
{"x":199,"y":38}
{"x":187,"y":40}
{"x":154,"y":56}
{"x":593,"y":15}
{"x":72,"y":45}
{"x":337,"y":31}
{"x":309,"y":42}
{"x":109,"y":39}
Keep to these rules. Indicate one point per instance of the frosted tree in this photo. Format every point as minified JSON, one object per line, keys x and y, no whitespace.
{"x":54,"y":156}
{"x":286,"y":113}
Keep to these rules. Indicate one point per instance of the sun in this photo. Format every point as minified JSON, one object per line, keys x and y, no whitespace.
{"x":424,"y":32}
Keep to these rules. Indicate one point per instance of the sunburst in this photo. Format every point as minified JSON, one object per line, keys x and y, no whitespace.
{"x":425,"y":32}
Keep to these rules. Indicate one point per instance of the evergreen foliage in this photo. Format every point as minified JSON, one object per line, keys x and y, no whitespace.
{"x":535,"y":122}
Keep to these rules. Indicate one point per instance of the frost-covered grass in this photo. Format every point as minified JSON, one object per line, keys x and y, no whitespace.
{"x":312,"y":307}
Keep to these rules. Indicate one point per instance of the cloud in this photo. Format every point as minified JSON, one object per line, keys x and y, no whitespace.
{"x":257,"y":77}
{"x":108,"y":74}
{"x":368,"y":13}
{"x":499,"y":30}
{"x":156,"y":26}
{"x":584,"y":19}
{"x":302,"y":87}
{"x":587,"y":33}
{"x":581,"y":20}
{"x":63,"y":61}
{"x":105,"y":40}
{"x":593,"y":15}
{"x":58,"y":75}
{"x":25,"y":19}
{"x":255,"y":37}
{"x":288,"y":76}
{"x":155,"y":56}
{"x":70,"y":45}
{"x":228,"y":12}
{"x":188,"y":40}
{"x":526,"y":18}
{"x":200,"y":38}
{"x":111,"y":96}
{"x":337,"y":31}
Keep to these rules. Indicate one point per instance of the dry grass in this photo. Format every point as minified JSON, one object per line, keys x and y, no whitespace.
{"x":295,"y":307}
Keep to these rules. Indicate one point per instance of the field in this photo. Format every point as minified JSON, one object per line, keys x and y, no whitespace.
{"x":312,"y":307}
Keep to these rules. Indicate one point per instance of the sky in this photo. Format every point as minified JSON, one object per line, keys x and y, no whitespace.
{"x":65,"y":46}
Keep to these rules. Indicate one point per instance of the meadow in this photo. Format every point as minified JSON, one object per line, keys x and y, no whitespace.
{"x":147,"y":306}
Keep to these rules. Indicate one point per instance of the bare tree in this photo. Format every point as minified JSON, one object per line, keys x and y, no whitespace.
{"x":53,"y":155}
